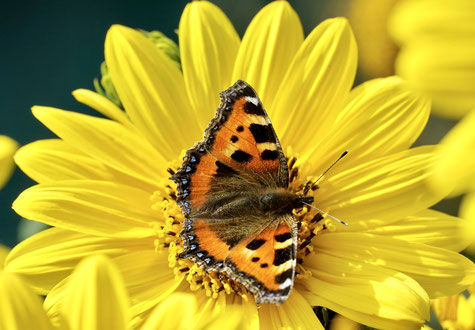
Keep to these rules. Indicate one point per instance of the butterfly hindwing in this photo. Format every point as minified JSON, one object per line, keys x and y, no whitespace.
{"x":265,"y":263}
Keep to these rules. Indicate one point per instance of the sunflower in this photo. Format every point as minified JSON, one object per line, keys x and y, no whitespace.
{"x":104,"y":187}
{"x":437,"y":51}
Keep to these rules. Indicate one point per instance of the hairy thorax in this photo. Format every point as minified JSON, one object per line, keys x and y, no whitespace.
{"x":269,"y":202}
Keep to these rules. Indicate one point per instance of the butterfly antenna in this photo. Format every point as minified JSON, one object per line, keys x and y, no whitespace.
{"x":334,"y":163}
{"x":325,"y":213}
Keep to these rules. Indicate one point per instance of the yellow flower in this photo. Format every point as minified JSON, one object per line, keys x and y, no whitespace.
{"x":104,"y":184}
{"x":437,"y":40}
{"x":7,"y":149}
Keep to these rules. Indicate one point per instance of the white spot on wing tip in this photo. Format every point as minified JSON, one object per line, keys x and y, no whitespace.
{"x":253,"y":100}
{"x":286,"y":284}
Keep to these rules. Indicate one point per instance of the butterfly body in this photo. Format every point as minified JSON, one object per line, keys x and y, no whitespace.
{"x":233,"y":190}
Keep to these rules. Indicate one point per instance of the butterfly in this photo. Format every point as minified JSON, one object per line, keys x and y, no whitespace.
{"x":233,"y":191}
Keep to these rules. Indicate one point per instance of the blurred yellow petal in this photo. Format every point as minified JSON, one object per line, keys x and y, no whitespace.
{"x":294,"y":313}
{"x":208,"y":48}
{"x":440,"y":272}
{"x":448,"y":78}
{"x":48,"y":257}
{"x":20,"y":307}
{"x":315,"y":86}
{"x":103,"y":105}
{"x":467,"y":211}
{"x":101,"y":208}
{"x":267,"y":49}
{"x":411,"y":19}
{"x":339,"y":322}
{"x":381,"y":117}
{"x":437,"y":51}
{"x":8,"y":147}
{"x":365,"y":293}
{"x":106,"y":141}
{"x":152,"y":90}
{"x":4,"y":251}
{"x":428,"y":227}
{"x":175,"y":312}
{"x":380,"y":191}
{"x":454,"y":169}
{"x":96,"y":297}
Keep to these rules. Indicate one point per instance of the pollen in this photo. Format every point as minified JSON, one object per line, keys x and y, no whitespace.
{"x":310,"y":224}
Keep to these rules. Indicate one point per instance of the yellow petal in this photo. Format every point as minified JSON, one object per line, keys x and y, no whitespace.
{"x":267,"y":49}
{"x":106,"y":141}
{"x":231,"y":311}
{"x":380,"y":191}
{"x":175,"y":312}
{"x":315,"y":86}
{"x":381,"y":117}
{"x":208,"y":48}
{"x":148,"y":278}
{"x":152,"y":90}
{"x":20,"y":307}
{"x":454,"y":168}
{"x":8,"y":147}
{"x":467,"y":211}
{"x":428,"y":227}
{"x":54,"y":160}
{"x":3,"y":255}
{"x":365,"y":293}
{"x":410,"y":20}
{"x":447,"y":77}
{"x":96,"y":297}
{"x":48,"y":257}
{"x":91,"y":207}
{"x":294,"y":313}
{"x":103,"y":105}
{"x":440,"y":272}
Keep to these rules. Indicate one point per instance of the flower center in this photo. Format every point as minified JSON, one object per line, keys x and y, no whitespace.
{"x":310,"y":223}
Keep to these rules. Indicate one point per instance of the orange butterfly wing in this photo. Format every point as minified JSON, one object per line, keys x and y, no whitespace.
{"x":240,"y":150}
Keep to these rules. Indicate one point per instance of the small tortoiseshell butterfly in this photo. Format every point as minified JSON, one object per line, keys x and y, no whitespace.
{"x":233,"y":191}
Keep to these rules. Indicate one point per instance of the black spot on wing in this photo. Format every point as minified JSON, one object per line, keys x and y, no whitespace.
{"x":279,"y":279}
{"x":240,"y":128}
{"x":283,"y":237}
{"x":283,"y":255}
{"x":247,"y":91}
{"x":255,"y":244}
{"x":255,"y":259}
{"x":269,"y":154}
{"x":234,"y":138}
{"x":262,"y":133}
{"x":253,"y":109}
{"x":241,"y":156}
{"x":224,"y":170}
